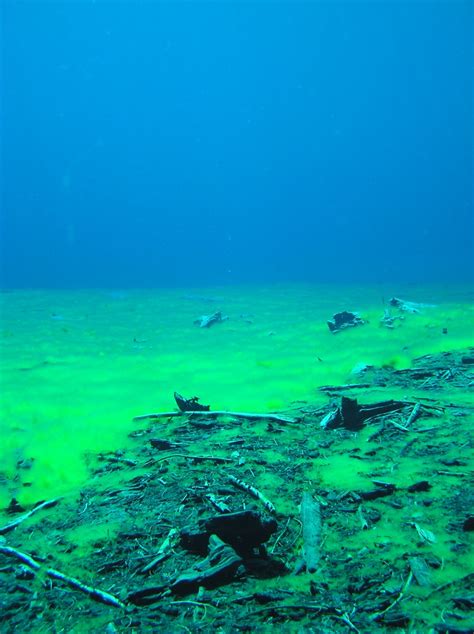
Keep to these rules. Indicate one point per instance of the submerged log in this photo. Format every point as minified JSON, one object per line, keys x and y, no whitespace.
{"x":277,"y":418}
{"x":311,"y":521}
{"x":346,"y":386}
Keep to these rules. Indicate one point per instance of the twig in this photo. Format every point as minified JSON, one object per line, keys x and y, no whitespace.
{"x":278,"y":608}
{"x":254,"y":493}
{"x":363,"y":522}
{"x":198,"y":603}
{"x":415,"y":413}
{"x":94,"y":593}
{"x":272,"y":549}
{"x":398,"y":426}
{"x":346,"y":619}
{"x":406,"y":448}
{"x":467,"y":577}
{"x":341,"y":388}
{"x":377,"y":615}
{"x":163,"y":551}
{"x":214,"y":414}
{"x":196,"y":458}
{"x":222,"y":507}
{"x":44,"y":505}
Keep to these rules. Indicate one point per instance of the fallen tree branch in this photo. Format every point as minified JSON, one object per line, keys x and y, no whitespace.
{"x":220,"y":506}
{"x":164,"y":551}
{"x":44,"y":505}
{"x":214,"y":414}
{"x":93,"y":593}
{"x":342,"y":388}
{"x":468,"y":577}
{"x":311,"y":520}
{"x":377,"y":615}
{"x":254,"y":493}
{"x":415,"y":413}
{"x":196,"y":458}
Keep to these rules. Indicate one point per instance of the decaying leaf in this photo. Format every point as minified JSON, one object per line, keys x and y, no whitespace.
{"x":425,"y":534}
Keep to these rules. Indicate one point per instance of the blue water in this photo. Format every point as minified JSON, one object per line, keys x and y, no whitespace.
{"x":170,"y":143}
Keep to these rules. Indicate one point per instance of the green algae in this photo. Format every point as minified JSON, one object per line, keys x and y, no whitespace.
{"x":134,"y":496}
{"x":96,"y":361}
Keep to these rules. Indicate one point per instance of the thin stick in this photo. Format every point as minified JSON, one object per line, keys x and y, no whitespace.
{"x":163,"y":552}
{"x":44,"y":505}
{"x":94,"y":593}
{"x":346,"y":386}
{"x":254,"y":493}
{"x":214,"y":414}
{"x":278,"y":608}
{"x":280,"y":536}
{"x":415,"y":413}
{"x":377,"y":615}
{"x":469,"y":576}
{"x":346,"y":619}
{"x":198,"y":603}
{"x":398,"y":426}
{"x":196,"y":458}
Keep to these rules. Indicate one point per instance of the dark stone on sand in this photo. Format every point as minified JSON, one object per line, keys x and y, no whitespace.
{"x":344,"y":319}
{"x":468,"y":525}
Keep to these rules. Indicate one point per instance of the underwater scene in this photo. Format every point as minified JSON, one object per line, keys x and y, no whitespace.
{"x":236,"y":317}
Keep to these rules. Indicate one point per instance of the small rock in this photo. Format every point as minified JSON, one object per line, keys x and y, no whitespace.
{"x":468,"y":525}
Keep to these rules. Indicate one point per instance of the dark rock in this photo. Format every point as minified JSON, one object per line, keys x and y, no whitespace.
{"x":244,"y":530}
{"x":464,"y":603}
{"x":195,"y":541}
{"x":350,"y":414}
{"x":377,"y":493}
{"x":162,"y":445}
{"x":190,"y":404}
{"x":453,"y":462}
{"x":220,"y":567}
{"x":206,"y":321}
{"x":468,"y":524}
{"x":344,"y":319}
{"x":423,"y":485}
{"x":15,"y":507}
{"x":395,"y":619}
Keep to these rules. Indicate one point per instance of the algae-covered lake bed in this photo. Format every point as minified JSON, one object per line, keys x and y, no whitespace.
{"x":134,"y":508}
